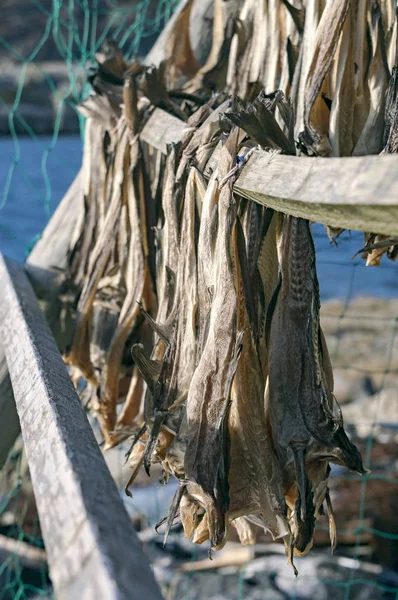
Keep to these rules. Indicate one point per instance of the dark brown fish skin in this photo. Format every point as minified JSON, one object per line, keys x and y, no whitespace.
{"x":390,"y":141}
{"x":300,"y":403}
{"x":298,"y":305}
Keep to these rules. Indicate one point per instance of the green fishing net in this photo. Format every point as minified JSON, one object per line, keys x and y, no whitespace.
{"x":45,"y":49}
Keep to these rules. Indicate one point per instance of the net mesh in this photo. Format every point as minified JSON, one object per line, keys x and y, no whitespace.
{"x":44,"y":66}
{"x":45,"y":49}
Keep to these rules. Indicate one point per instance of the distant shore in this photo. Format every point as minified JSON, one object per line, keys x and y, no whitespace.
{"x":47,"y":101}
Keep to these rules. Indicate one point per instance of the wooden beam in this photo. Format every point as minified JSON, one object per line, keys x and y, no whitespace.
{"x":49,"y":256}
{"x":162,"y":129}
{"x":92,"y":548}
{"x":44,"y":265}
{"x":8,"y":412}
{"x":358,"y":192}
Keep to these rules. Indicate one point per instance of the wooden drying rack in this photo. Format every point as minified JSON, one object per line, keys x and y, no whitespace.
{"x":92,"y":549}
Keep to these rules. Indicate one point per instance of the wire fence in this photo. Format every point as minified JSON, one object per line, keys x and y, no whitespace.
{"x":45,"y":50}
{"x":40,"y":155}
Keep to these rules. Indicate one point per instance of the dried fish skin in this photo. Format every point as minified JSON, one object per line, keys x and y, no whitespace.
{"x":343,"y":104}
{"x":104,"y":322}
{"x":259,"y":123}
{"x":179,"y":47}
{"x":167,"y":247}
{"x":255,"y":477}
{"x":298,"y":300}
{"x":271,"y":66}
{"x":94,"y":175}
{"x":371,"y":138}
{"x":171,"y":389}
{"x":390,"y":140}
{"x":376,"y":246}
{"x":246,"y":531}
{"x":139,"y":284}
{"x":206,"y":243}
{"x":99,"y":257}
{"x":313,"y":11}
{"x":327,"y":36}
{"x":187,"y":294}
{"x":267,"y":265}
{"x":362,"y":60}
{"x":207,"y":454}
{"x":132,"y":414}
{"x":301,"y":405}
{"x":392,"y":40}
{"x":212,"y":75}
{"x":189,"y":513}
{"x":318,"y":471}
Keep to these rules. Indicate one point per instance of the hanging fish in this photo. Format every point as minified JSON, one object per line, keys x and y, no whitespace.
{"x":304,"y":416}
{"x":207,"y":455}
{"x":255,"y":476}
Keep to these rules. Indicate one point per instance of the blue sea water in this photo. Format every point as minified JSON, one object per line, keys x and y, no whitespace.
{"x":35,"y":174}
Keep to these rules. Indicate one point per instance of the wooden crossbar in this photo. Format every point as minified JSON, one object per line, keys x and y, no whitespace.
{"x":353,"y":193}
{"x":92,"y":548}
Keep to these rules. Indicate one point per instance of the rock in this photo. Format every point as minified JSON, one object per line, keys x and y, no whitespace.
{"x":376,"y":415}
{"x":348,"y":389}
{"x":270,"y":578}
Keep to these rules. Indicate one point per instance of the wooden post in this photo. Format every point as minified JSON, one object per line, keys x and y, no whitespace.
{"x":8,"y":412}
{"x":93,"y":551}
{"x":44,"y":265}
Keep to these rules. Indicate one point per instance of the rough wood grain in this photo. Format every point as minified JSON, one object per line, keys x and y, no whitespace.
{"x":353,"y":193}
{"x":8,"y":412}
{"x":92,"y":548}
{"x":358,"y":192}
{"x":162,"y":129}
{"x":44,"y":264}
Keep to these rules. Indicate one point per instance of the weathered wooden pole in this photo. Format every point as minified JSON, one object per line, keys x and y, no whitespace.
{"x":93,"y":551}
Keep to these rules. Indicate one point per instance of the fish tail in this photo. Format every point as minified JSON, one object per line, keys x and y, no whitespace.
{"x":305,"y":511}
{"x":160,"y":417}
{"x":349,"y":453}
